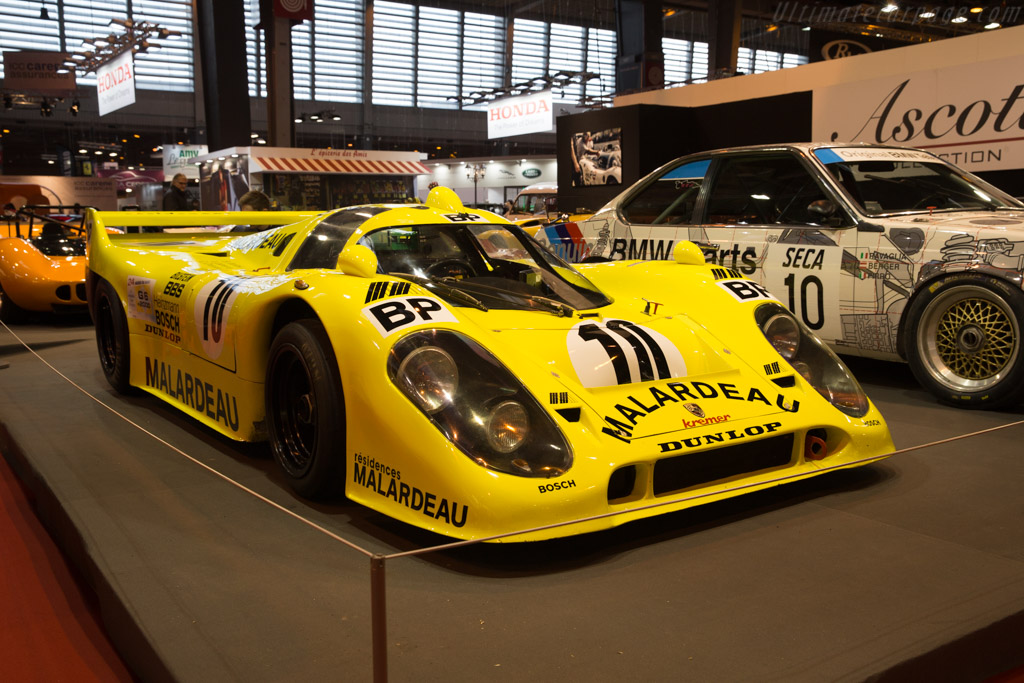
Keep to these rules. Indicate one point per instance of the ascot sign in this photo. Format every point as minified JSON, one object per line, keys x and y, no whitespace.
{"x":971,"y":116}
{"x":520,"y":115}
{"x":115,"y":83}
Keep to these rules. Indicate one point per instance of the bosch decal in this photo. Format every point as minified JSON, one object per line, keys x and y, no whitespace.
{"x":557,"y":486}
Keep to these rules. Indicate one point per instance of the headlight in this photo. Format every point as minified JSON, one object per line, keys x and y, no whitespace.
{"x":478,"y":404}
{"x":784,"y":334}
{"x":812,"y":359}
{"x":429,"y":377}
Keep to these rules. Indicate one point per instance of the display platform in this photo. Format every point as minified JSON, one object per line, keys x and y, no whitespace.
{"x":912,"y":568}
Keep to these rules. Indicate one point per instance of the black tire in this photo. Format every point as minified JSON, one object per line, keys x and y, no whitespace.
{"x":964,"y":341}
{"x":112,"y":337}
{"x":10,"y":312}
{"x":306,"y":409}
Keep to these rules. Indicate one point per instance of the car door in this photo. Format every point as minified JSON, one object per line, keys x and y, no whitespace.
{"x":770,"y":217}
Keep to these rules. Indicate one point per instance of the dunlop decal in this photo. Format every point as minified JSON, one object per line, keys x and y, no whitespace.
{"x":386,"y":481}
{"x":719,"y":437}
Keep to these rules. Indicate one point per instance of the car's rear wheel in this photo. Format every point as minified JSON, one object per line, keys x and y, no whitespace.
{"x":10,"y":312}
{"x":965,"y":343}
{"x":112,"y":337}
{"x":306,"y":409}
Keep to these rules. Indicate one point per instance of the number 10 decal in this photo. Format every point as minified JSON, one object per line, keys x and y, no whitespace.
{"x":812,"y":299}
{"x":621,"y":352}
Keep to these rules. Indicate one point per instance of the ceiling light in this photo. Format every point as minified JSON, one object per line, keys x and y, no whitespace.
{"x":958,"y":20}
{"x":994,"y":24}
{"x":927,"y":15}
{"x":891,"y":7}
{"x":976,"y":10}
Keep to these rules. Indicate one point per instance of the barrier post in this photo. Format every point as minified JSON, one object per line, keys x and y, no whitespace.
{"x":379,"y":618}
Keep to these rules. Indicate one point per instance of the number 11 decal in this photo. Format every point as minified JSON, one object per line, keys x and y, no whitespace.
{"x":622,"y":352}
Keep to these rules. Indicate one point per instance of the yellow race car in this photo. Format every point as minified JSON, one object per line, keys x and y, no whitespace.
{"x":439,"y":366}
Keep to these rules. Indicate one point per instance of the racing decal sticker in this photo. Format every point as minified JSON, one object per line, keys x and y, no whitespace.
{"x":386,"y":481}
{"x":726,"y":274}
{"x":398,"y":313}
{"x":140,"y":298}
{"x":637,"y":406}
{"x":621,"y":352}
{"x":720,"y":437}
{"x":772,"y":368}
{"x":559,"y":397}
{"x":211,"y":310}
{"x":192,"y":391}
{"x":746,"y":290}
{"x":463,"y":217}
{"x":379,"y":290}
{"x":805,"y":278}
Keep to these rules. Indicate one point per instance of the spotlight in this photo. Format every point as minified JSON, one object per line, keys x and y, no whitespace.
{"x":44,"y":13}
{"x":74,"y":108}
{"x":45,"y":108}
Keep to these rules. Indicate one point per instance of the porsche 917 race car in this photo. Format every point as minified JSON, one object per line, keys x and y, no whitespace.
{"x":440,"y":367}
{"x":885,"y":252}
{"x":42,"y":264}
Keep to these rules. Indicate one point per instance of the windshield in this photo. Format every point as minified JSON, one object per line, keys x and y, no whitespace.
{"x":890,"y":180}
{"x":498,"y":268}
{"x":533,"y":203}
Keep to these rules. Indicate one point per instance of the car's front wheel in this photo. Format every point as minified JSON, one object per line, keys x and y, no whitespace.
{"x":306,"y":409}
{"x":965,"y":341}
{"x":112,"y":337}
{"x":11,"y":312}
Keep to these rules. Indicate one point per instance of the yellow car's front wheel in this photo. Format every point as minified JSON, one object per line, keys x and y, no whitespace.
{"x":306,"y":409}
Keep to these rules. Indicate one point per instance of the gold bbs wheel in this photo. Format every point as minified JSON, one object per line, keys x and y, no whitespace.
{"x":968,"y":338}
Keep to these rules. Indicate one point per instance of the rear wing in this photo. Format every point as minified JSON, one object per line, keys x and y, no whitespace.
{"x":103,"y":226}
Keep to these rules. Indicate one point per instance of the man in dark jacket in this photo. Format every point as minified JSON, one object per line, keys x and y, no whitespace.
{"x":176,"y":198}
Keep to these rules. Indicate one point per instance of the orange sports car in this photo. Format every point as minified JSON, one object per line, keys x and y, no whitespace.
{"x":42,"y":264}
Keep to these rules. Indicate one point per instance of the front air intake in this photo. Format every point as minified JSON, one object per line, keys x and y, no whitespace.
{"x":685,"y":471}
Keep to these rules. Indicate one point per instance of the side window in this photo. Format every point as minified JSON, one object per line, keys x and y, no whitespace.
{"x":670,"y":199}
{"x":764,"y":190}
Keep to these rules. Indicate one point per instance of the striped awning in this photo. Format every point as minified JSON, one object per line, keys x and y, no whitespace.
{"x":362,"y":166}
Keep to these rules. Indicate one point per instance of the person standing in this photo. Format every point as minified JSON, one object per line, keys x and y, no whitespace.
{"x":176,"y":199}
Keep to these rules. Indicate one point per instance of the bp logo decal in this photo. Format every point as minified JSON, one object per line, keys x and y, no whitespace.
{"x":621,"y":352}
{"x":531,"y":172}
{"x":212,"y":308}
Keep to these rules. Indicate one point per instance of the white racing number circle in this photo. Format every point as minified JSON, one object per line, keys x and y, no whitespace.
{"x":614,"y":352}
{"x":212,"y":308}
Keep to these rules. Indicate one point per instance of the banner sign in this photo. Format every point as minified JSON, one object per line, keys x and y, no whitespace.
{"x":970,"y":115}
{"x":35,"y":71}
{"x":181,"y":159}
{"x":520,"y":115}
{"x":299,"y":10}
{"x":115,"y":83}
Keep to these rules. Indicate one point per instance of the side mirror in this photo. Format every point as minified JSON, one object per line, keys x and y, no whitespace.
{"x":826,"y":209}
{"x":688,"y":253}
{"x":358,"y":260}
